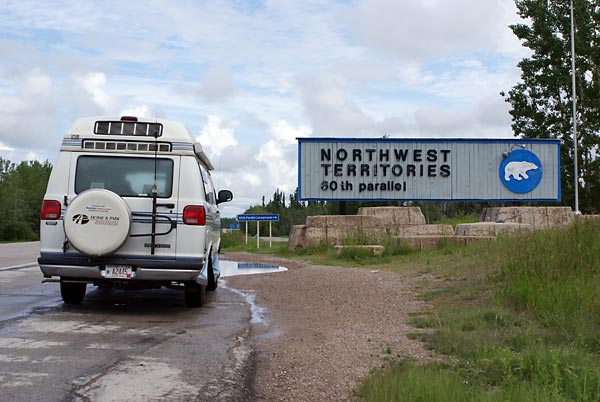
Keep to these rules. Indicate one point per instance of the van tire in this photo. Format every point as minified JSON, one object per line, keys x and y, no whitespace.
{"x":72,"y":292}
{"x":195,"y":294}
{"x":212,"y":281}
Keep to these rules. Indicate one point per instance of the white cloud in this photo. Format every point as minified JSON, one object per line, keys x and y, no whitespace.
{"x":424,"y":30}
{"x":216,"y":85}
{"x":5,"y":148}
{"x":93,"y":84}
{"x":36,"y":84}
{"x":279,"y":165}
{"x":250,"y":77}
{"x":286,"y":133}
{"x":217,"y":135}
{"x":138,"y":111}
{"x":330,"y":109}
{"x":278,"y":156}
{"x":28,"y":111}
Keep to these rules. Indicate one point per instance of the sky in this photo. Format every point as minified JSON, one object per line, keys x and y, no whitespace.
{"x":248,"y":77}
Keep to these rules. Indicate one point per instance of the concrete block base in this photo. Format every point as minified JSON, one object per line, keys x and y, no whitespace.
{"x":297,"y":237}
{"x":373,"y":225}
{"x":373,"y":249}
{"x":537,"y":217}
{"x":491,"y":228}
{"x":395,"y":216}
{"x":424,"y":243}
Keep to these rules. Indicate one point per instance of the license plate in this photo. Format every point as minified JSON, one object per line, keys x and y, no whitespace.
{"x":118,"y":272}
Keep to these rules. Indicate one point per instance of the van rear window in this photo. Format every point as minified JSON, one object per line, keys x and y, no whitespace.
{"x":126,"y":176}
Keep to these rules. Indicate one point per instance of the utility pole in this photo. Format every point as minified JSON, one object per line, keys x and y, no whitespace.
{"x":576,"y":171}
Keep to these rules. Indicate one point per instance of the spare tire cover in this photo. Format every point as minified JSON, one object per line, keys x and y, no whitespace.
{"x":97,"y":222}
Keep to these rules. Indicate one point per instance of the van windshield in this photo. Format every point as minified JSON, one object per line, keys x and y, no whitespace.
{"x":126,"y":176}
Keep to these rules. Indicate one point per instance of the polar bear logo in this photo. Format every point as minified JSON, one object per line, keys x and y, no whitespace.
{"x":518,"y":170}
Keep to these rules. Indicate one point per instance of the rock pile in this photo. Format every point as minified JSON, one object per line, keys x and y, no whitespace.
{"x":408,"y":225}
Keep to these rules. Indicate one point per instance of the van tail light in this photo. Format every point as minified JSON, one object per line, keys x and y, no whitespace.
{"x":50,"y":210}
{"x":194,"y":215}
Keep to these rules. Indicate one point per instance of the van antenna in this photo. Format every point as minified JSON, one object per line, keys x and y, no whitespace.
{"x":155,"y":185}
{"x":154,"y":196}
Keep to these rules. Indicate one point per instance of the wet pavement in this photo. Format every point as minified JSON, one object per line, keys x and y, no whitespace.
{"x":123,"y":345}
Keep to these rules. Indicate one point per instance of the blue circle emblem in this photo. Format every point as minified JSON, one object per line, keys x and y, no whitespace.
{"x":520,"y":171}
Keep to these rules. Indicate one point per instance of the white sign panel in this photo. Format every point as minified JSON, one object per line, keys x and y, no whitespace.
{"x":388,"y":169}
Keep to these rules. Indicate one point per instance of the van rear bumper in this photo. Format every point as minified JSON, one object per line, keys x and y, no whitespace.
{"x":156,"y":269}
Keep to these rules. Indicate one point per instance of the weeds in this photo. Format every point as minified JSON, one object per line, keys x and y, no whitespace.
{"x":524,"y":328}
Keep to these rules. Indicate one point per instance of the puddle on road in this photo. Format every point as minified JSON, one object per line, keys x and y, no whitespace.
{"x":257,"y":313}
{"x":234,"y":268}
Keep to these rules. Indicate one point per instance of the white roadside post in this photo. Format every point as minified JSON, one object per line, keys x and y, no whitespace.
{"x":257,"y":234}
{"x":246,"y":232}
{"x":270,"y":235}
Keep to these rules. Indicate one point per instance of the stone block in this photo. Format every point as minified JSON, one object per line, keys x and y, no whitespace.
{"x":410,"y":216}
{"x":374,"y":249}
{"x":421,"y":243}
{"x":537,"y":217}
{"x":353,"y":222}
{"x":483,"y":229}
{"x":583,"y":218}
{"x":396,"y":216}
{"x":316,"y":221}
{"x":297,"y":237}
{"x":384,"y":213}
{"x":426,"y":230}
{"x":559,"y":216}
{"x":315,"y":236}
{"x":337,"y":235}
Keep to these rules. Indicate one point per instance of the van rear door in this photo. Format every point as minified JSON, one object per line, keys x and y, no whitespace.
{"x":136,"y":179}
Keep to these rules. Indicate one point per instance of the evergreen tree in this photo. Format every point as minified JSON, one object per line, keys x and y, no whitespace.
{"x":22,"y":189}
{"x":542,"y":102}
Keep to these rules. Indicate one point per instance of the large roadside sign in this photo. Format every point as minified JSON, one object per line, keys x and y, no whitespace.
{"x":386,"y":169}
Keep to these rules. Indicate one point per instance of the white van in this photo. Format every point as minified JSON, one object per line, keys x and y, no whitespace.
{"x":131,"y":204}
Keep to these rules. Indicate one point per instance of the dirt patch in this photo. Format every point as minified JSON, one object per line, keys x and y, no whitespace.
{"x":326,"y":327}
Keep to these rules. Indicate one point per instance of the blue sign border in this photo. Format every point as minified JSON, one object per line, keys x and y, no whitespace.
{"x":257,"y":217}
{"x":430,"y":140}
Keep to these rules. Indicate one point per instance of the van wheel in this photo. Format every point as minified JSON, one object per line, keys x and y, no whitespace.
{"x":72,"y":293}
{"x":212,"y":281}
{"x":194,"y":295}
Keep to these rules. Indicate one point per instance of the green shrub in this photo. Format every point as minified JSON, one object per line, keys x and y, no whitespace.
{"x":529,"y":329}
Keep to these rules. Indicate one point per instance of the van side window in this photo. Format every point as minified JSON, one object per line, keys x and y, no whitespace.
{"x":209,"y":189}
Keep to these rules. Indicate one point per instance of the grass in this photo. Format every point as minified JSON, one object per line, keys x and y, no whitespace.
{"x":513,"y":320}
{"x":236,"y":241}
{"x":517,"y":319}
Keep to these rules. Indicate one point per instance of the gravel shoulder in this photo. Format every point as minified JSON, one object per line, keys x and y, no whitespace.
{"x":324,"y":328}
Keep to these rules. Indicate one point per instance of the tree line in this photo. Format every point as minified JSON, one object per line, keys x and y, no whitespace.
{"x":292,"y":211}
{"x":22,"y":189}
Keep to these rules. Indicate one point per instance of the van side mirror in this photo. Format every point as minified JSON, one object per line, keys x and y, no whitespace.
{"x":224,"y":196}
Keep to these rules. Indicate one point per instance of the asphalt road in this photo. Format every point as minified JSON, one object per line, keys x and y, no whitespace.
{"x":117,"y":345}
